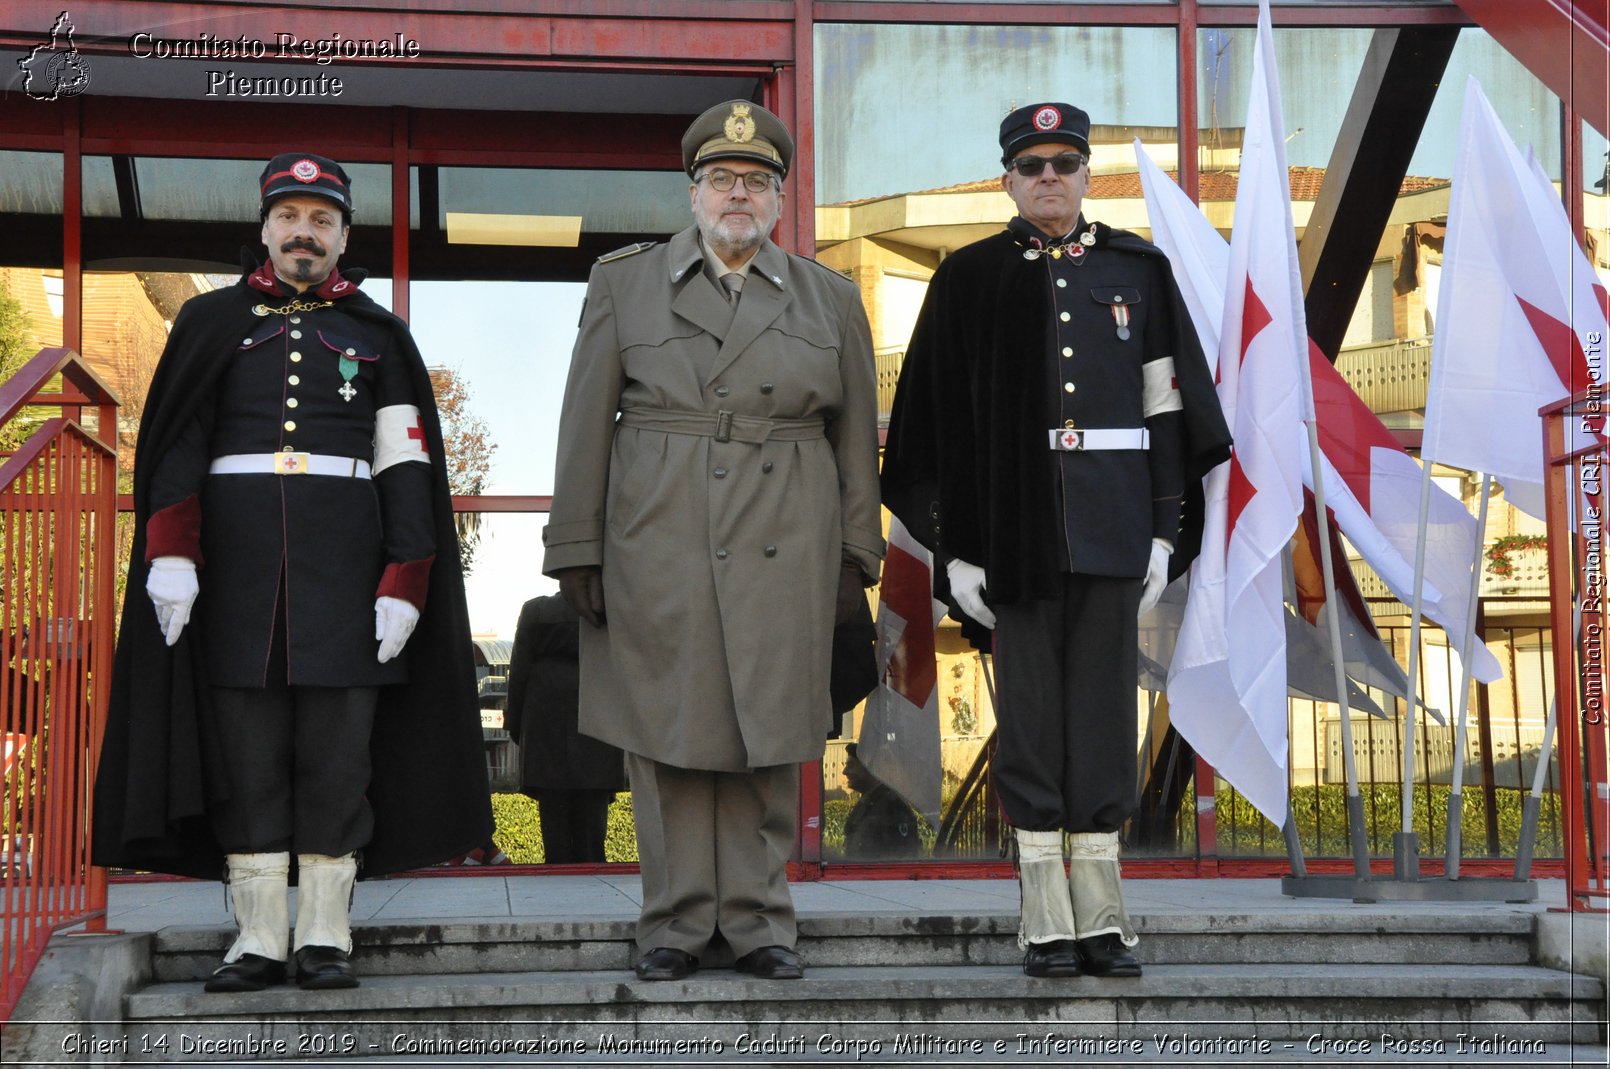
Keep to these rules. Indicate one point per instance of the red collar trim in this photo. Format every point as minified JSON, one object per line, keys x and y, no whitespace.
{"x":332,"y":288}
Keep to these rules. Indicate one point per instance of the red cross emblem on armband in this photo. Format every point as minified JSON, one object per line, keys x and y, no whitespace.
{"x":417,"y":433}
{"x":1069,"y":439}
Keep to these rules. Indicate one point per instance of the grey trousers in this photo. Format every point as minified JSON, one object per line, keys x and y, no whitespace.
{"x":713,"y":847}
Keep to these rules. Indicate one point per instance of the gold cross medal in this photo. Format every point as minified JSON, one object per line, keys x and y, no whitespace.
{"x":349,"y":368}
{"x":1120,"y":315}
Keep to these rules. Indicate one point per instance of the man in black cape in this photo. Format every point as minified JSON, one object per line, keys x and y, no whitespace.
{"x":1053,"y":421}
{"x":305,"y":683}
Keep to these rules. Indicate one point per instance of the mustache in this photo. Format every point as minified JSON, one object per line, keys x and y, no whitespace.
{"x":304,"y":243}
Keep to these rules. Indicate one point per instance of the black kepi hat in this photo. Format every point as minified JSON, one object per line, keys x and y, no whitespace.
{"x":1039,"y":123}
{"x":306,"y":174}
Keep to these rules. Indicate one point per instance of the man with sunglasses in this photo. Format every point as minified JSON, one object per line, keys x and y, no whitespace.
{"x":1053,"y":420}
{"x":715,"y":510}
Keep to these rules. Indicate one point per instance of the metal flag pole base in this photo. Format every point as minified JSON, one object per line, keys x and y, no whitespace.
{"x":1420,"y":889}
{"x":1407,"y":885}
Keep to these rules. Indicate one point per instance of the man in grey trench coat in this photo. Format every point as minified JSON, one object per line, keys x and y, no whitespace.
{"x":715,"y":510}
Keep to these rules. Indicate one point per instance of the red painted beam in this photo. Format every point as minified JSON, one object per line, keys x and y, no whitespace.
{"x":1564,"y":43}
{"x":723,"y":33}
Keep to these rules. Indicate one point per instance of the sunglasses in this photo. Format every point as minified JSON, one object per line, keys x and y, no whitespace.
{"x":1063,"y":163}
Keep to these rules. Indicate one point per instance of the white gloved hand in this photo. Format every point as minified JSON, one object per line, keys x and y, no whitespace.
{"x":173,"y":587}
{"x":967,"y":584}
{"x":394,"y":622}
{"x":1156,"y":575}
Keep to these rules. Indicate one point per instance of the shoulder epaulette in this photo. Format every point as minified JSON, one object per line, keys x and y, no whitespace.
{"x":630,"y":250}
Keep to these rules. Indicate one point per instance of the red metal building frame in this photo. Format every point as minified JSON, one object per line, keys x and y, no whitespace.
{"x":769,"y":40}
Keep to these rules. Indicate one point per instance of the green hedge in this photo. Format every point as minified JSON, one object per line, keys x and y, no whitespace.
{"x":1321,"y":815}
{"x":519,"y":831}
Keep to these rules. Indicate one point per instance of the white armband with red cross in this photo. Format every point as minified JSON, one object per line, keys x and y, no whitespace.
{"x":1160,"y":391}
{"x":399,"y":437}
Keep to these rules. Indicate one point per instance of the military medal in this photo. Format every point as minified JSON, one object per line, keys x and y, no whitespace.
{"x":1120,"y":315}
{"x":348,"y":368}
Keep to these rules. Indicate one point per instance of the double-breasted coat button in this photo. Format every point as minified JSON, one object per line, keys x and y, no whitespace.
{"x":290,"y":402}
{"x":766,"y":467}
{"x":296,"y":334}
{"x":1067,"y":387}
{"x":766,"y":387}
{"x":296,"y":358}
{"x":296,"y":319}
{"x":1067,"y":350}
{"x":721,"y":554}
{"x":1065,"y":317}
{"x":722,"y":391}
{"x":721,"y":473}
{"x":290,"y":425}
{"x":771,"y":551}
{"x":1062,"y":282}
{"x":1068,"y":424}
{"x":295,"y":380}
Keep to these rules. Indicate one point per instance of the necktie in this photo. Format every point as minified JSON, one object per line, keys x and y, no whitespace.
{"x":734,"y":283}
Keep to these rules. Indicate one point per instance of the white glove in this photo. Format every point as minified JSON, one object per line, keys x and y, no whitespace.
{"x":173,"y":588}
{"x":1156,"y":575}
{"x":394,"y":622}
{"x":967,"y":584}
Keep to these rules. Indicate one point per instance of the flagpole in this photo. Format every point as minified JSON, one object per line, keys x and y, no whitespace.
{"x":1355,"y":804}
{"x":1406,"y":843}
{"x":1456,"y":796}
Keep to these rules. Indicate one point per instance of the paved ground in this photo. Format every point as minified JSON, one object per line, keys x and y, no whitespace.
{"x":150,"y":906}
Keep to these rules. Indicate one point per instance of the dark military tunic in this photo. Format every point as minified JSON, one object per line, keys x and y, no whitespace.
{"x":308,"y":382}
{"x":1032,"y":353}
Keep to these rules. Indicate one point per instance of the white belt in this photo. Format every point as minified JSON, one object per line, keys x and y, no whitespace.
{"x":289,"y":464}
{"x":1067,"y":440}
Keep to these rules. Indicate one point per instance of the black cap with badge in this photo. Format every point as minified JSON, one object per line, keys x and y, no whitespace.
{"x":304,"y":174}
{"x":1040,"y":123}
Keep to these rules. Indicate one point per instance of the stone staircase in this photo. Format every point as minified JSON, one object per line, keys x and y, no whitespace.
{"x":1217,"y":987}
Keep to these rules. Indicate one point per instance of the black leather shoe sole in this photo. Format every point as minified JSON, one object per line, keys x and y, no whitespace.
{"x":324,"y":969}
{"x":249,"y":972}
{"x":666,"y":963}
{"x":1057,"y":958}
{"x":771,"y":963}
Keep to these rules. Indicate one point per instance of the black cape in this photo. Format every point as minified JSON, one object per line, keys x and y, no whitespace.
{"x":428,"y":790}
{"x":962,"y":429}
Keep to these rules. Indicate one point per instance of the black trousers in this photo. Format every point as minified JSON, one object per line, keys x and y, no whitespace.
{"x":1065,"y":671}
{"x":574,"y":823}
{"x":296,"y":767}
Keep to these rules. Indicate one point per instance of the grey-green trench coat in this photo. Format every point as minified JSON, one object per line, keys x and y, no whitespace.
{"x":719,"y":464}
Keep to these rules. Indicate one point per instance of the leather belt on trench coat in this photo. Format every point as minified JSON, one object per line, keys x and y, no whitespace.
{"x":723,"y":426}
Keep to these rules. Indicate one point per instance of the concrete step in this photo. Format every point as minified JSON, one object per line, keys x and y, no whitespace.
{"x":498,"y":945}
{"x":1214,"y":1012}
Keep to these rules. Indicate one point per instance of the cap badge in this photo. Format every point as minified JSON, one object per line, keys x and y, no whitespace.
{"x":1047,"y":118}
{"x":305,"y":171}
{"x":740,"y":125}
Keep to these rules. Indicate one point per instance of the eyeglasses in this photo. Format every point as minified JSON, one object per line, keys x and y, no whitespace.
{"x":1063,"y":163}
{"x":722,"y":180}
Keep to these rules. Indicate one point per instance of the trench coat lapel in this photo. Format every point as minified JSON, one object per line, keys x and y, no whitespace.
{"x":765,"y":295}
{"x":696,"y":300}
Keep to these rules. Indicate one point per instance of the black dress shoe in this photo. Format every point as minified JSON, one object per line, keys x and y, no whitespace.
{"x":666,"y":963}
{"x":249,"y":972}
{"x":771,"y":963}
{"x":324,"y":968}
{"x":1059,"y":957}
{"x":1106,"y":955}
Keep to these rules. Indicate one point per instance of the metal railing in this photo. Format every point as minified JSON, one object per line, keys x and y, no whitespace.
{"x":1576,"y":456}
{"x":58,"y":509}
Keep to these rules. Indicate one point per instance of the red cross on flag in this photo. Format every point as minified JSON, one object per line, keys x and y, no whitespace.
{"x":1520,"y":314}
{"x":1229,"y":699}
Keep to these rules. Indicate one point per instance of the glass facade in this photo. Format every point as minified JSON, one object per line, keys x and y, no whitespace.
{"x":487,"y":254}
